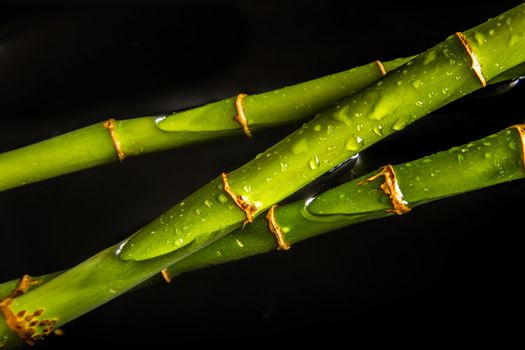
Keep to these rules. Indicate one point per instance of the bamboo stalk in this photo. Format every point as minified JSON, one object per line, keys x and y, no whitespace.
{"x":114,"y":140}
{"x":439,"y":76}
{"x":492,"y":160}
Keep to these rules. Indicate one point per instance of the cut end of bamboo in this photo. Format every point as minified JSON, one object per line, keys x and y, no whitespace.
{"x":26,"y":325}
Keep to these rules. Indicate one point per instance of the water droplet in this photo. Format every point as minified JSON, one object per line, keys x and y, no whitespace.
{"x":159,"y":119}
{"x":444,"y":91}
{"x":385,"y":106}
{"x":218,"y":252}
{"x":197,"y":211}
{"x":318,"y":127}
{"x":419,"y":103}
{"x":152,"y":232}
{"x":378,"y":130}
{"x":300,"y":146}
{"x":492,"y":32}
{"x":417,"y":83}
{"x":239,"y":243}
{"x":400,"y":124}
{"x":330,"y":129}
{"x":358,"y":114}
{"x":488,"y":155}
{"x":359,"y":127}
{"x":208,"y":203}
{"x":432,"y":174}
{"x":512,"y":145}
{"x":314,"y":163}
{"x":460,"y":158}
{"x":354,"y":143}
{"x":178,"y":231}
{"x":284,"y":166}
{"x":222,"y":198}
{"x":480,"y":38}
{"x":247,"y":188}
{"x":429,"y":57}
{"x":399,"y":83}
{"x":515,"y":39}
{"x":331,"y":148}
{"x":418,"y":179}
{"x":486,"y":143}
{"x":427,"y":160}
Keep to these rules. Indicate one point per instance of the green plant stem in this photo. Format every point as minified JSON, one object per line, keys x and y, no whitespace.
{"x":92,"y":145}
{"x":486,"y":162}
{"x":429,"y":81}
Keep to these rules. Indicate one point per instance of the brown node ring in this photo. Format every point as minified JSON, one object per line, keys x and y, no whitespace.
{"x":381,"y":67}
{"x":276,"y":229}
{"x":391,"y":188}
{"x":248,"y":208}
{"x":476,"y":67}
{"x":110,"y":125}
{"x":166,"y":275}
{"x":21,"y":324}
{"x":240,"y":117}
{"x":520,"y":128}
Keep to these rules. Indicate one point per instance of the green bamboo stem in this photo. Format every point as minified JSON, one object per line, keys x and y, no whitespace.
{"x":492,"y":160}
{"x":93,"y":145}
{"x":438,"y":76}
{"x":429,"y":81}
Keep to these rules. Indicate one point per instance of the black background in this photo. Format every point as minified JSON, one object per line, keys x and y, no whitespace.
{"x":448,"y":271}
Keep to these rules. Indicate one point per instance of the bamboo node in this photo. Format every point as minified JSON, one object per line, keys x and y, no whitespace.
{"x":166,"y":275}
{"x":381,"y":67}
{"x":391,"y":188}
{"x":248,"y":208}
{"x":520,"y":128}
{"x":276,"y":229}
{"x":23,"y":324}
{"x":110,"y":125}
{"x":476,"y":67}
{"x":240,"y":117}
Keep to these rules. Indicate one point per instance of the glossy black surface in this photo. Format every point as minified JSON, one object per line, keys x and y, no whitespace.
{"x":448,"y":271}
